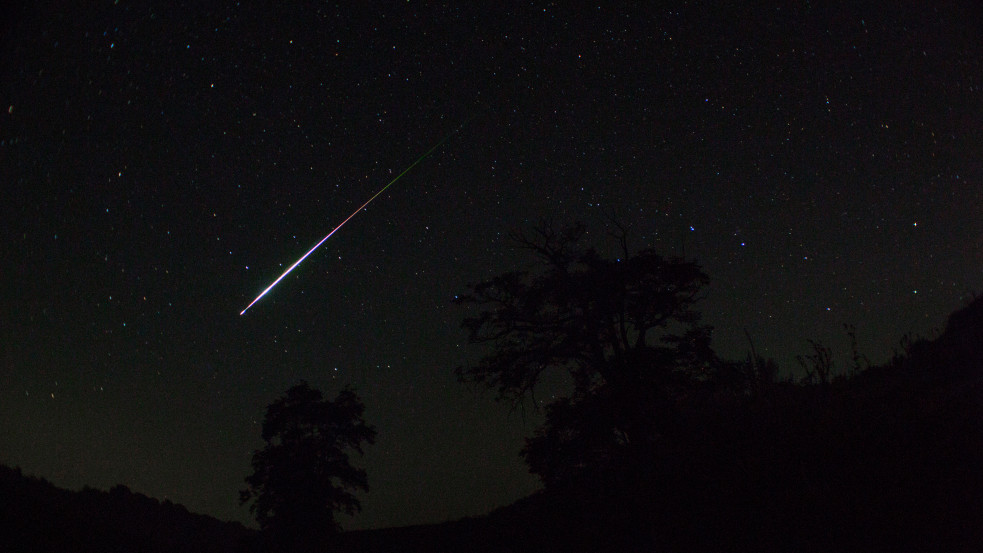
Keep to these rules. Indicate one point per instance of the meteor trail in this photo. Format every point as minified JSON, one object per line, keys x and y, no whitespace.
{"x":363,"y":206}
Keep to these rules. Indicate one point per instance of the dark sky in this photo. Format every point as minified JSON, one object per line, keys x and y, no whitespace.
{"x":162,"y":162}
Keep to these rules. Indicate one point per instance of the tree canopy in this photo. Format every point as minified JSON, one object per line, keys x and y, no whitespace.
{"x":623,"y":330}
{"x":304,"y":473}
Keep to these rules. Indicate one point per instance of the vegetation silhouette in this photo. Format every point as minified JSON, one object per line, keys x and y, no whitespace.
{"x":660,"y":446}
{"x":304,"y":474}
{"x":623,"y":331}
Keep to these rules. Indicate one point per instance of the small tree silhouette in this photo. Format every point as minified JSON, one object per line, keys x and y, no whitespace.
{"x":303,"y":475}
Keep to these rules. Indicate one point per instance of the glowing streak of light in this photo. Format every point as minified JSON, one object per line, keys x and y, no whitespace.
{"x":363,"y":206}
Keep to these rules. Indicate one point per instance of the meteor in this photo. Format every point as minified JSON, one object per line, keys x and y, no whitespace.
{"x":363,"y":206}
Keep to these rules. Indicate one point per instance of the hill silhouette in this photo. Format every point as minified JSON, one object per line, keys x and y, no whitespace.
{"x":885,"y":458}
{"x":36,"y":516}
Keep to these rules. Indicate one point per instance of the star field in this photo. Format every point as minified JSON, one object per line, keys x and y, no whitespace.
{"x":162,"y":164}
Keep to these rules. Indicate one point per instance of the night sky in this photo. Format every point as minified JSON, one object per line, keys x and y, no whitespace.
{"x":162,"y":162}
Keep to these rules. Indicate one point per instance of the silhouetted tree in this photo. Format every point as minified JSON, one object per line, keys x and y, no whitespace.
{"x":624,"y":330}
{"x":304,"y":475}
